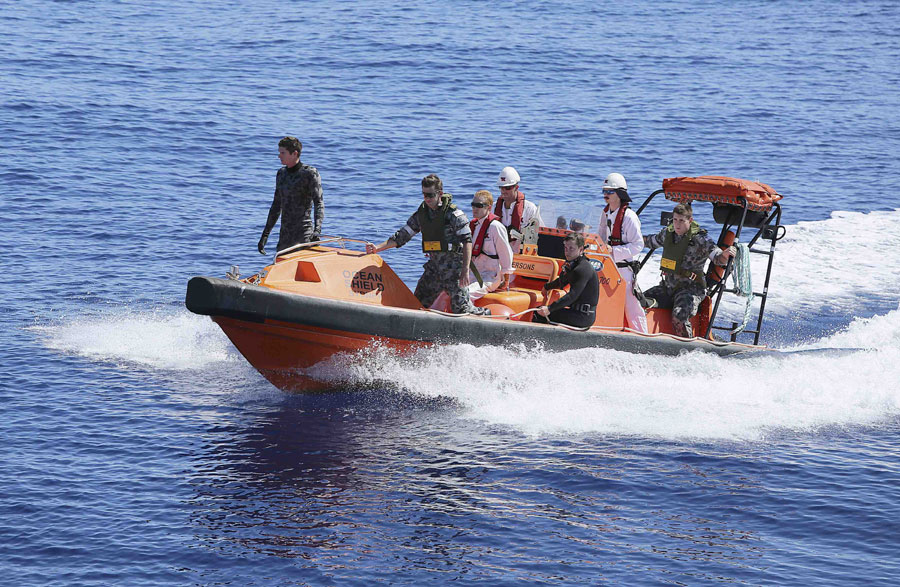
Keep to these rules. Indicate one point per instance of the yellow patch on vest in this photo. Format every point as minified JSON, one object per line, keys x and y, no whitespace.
{"x":432,"y":245}
{"x":667,"y":264}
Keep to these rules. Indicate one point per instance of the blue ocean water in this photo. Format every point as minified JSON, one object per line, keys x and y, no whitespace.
{"x":138,"y":147}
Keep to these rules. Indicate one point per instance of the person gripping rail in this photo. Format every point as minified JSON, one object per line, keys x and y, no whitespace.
{"x":686,"y":248}
{"x":298,"y":191}
{"x":446,"y":240}
{"x":578,"y":307}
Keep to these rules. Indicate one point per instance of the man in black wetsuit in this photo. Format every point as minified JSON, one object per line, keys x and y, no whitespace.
{"x":579,"y":306}
{"x":298,"y":191}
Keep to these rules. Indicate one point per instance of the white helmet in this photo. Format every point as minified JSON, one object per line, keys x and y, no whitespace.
{"x":614,"y":181}
{"x":508,"y":176}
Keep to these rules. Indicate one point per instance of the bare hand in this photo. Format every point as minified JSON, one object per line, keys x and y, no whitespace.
{"x":370,"y":249}
{"x":464,"y":279}
{"x":543,"y":311}
{"x":729,"y":253}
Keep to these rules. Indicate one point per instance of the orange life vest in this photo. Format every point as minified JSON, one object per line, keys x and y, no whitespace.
{"x":615,"y":238}
{"x":478,"y":242}
{"x":518,"y":208}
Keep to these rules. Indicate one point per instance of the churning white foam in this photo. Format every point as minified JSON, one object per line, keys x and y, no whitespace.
{"x":160,"y":340}
{"x":696,"y":395}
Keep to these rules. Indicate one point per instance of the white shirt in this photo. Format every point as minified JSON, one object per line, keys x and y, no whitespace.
{"x":496,"y":242}
{"x":632,"y":240}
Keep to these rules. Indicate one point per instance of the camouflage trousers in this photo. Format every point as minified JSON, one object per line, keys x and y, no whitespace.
{"x":684,"y":302}
{"x":442,"y":273}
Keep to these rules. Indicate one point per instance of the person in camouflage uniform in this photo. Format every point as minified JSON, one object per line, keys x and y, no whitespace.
{"x":447,"y":241}
{"x":298,"y":190}
{"x":683,"y":284}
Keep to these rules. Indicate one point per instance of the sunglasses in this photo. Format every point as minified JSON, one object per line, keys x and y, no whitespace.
{"x":479,"y":205}
{"x":507,"y":187}
{"x":429,"y":195}
{"x":608,"y":192}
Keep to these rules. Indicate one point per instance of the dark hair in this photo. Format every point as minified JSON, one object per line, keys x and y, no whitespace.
{"x":292,"y":144}
{"x":684,"y":210}
{"x":433,"y":181}
{"x":577,"y":237}
{"x":623,"y":195}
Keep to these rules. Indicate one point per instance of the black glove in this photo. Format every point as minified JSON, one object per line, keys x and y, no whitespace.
{"x":314,"y":237}
{"x":261,"y":247}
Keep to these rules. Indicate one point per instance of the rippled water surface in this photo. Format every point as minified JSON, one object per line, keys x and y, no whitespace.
{"x":138,"y":148}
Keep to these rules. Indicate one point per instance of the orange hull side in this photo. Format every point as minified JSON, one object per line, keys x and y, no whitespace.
{"x":279,"y":351}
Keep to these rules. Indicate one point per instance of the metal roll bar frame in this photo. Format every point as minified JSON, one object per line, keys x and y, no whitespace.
{"x":766,"y":231}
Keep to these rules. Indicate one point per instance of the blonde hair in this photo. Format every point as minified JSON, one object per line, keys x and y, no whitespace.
{"x":486,"y":195}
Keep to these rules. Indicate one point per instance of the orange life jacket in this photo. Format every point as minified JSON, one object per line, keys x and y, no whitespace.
{"x":615,"y":238}
{"x":515,"y":221}
{"x":478,"y":241}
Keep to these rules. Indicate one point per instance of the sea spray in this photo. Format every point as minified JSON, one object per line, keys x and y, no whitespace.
{"x":159,"y":339}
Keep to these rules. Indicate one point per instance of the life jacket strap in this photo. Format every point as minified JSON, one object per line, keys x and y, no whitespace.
{"x":698,"y":277}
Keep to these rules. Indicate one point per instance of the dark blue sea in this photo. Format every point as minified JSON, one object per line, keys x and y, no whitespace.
{"x":138,"y":148}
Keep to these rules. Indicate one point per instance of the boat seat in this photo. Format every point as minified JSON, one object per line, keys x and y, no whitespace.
{"x":517,"y":301}
{"x":532,"y":267}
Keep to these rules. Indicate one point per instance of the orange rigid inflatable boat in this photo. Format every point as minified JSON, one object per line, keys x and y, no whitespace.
{"x":328,"y":297}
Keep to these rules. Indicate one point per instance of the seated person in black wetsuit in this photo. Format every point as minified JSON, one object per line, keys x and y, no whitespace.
{"x":579,"y":306}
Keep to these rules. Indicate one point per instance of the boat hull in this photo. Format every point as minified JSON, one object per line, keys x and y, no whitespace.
{"x":284,"y":334}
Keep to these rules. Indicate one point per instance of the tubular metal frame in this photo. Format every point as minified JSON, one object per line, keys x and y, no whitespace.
{"x":716,"y":289}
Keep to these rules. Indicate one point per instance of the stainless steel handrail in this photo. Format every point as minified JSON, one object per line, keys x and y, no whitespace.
{"x":331,"y":239}
{"x":299,"y":246}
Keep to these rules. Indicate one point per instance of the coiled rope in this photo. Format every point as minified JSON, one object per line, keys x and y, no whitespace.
{"x":743,"y":284}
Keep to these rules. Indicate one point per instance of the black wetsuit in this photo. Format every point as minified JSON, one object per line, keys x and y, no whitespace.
{"x":298,"y":191}
{"x":579,"y":306}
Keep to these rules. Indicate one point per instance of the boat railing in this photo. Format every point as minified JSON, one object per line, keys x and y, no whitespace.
{"x":325,"y":240}
{"x":321,"y":241}
{"x":768,"y":228}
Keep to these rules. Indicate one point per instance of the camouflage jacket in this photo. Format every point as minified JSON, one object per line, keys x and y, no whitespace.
{"x":298,"y":191}
{"x":456,"y":231}
{"x":695,"y":257}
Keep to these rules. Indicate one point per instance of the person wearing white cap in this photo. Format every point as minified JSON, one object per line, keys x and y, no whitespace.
{"x":514,"y":210}
{"x":620,"y":228}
